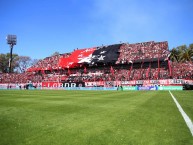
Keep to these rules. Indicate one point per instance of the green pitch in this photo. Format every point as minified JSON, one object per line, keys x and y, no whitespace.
{"x":46,"y":117}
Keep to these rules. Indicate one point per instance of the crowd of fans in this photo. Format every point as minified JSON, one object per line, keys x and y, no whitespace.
{"x":140,"y":51}
{"x":20,"y":77}
{"x":129,"y":66}
{"x":120,"y":73}
{"x":138,"y":72}
{"x":48,"y":63}
{"x":182,"y":70}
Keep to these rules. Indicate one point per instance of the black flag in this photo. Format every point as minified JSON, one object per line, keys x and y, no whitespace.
{"x":106,"y":54}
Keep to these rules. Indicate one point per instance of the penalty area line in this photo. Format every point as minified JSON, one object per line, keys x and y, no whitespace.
{"x":184,"y":115}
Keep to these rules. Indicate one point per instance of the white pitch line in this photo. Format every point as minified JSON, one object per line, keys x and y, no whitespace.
{"x":184,"y":115}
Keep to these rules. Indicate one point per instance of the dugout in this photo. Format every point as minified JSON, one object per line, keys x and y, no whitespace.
{"x":187,"y":87}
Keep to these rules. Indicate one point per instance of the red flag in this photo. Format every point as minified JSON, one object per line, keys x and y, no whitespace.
{"x":76,"y":58}
{"x":139,"y":77}
{"x":42,"y":71}
{"x":158,"y":71}
{"x":147,"y":73}
{"x":65,"y":62}
{"x":170,"y":69}
{"x":112,"y":70}
{"x":94,"y":77}
{"x":69,"y":71}
{"x":85,"y":70}
{"x":130,"y":70}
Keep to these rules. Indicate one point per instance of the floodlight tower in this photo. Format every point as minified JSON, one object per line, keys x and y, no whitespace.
{"x":11,"y":40}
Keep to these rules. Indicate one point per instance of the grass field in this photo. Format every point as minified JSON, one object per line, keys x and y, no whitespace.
{"x":47,"y":117}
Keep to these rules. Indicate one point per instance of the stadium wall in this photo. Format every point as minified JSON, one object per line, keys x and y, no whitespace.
{"x":168,"y":84}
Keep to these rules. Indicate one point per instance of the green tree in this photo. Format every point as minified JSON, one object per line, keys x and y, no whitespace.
{"x":185,"y":55}
{"x":191,"y":46}
{"x":174,"y":55}
{"x":191,"y":49}
{"x":4,"y":62}
{"x":182,"y":53}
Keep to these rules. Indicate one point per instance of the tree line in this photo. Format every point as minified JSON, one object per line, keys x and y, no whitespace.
{"x":181,"y":53}
{"x":19,"y":63}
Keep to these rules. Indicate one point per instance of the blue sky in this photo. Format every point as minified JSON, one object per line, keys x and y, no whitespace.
{"x":47,"y":26}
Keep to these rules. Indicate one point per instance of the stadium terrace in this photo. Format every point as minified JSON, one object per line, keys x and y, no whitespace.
{"x":140,"y":64}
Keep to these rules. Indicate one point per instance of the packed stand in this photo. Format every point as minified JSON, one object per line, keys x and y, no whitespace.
{"x":48,"y":63}
{"x":20,"y":77}
{"x":182,"y":70}
{"x":119,"y":73}
{"x":140,"y":61}
{"x":140,"y":51}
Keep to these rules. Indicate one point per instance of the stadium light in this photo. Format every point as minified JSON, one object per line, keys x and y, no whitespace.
{"x":11,"y":40}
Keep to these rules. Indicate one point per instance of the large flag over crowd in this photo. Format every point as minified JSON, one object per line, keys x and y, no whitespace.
{"x":77,"y":57}
{"x":110,"y":54}
{"x":104,"y":54}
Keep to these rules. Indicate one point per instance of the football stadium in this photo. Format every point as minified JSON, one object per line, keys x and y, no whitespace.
{"x":96,"y":72}
{"x":139,"y":66}
{"x":115,"y":94}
